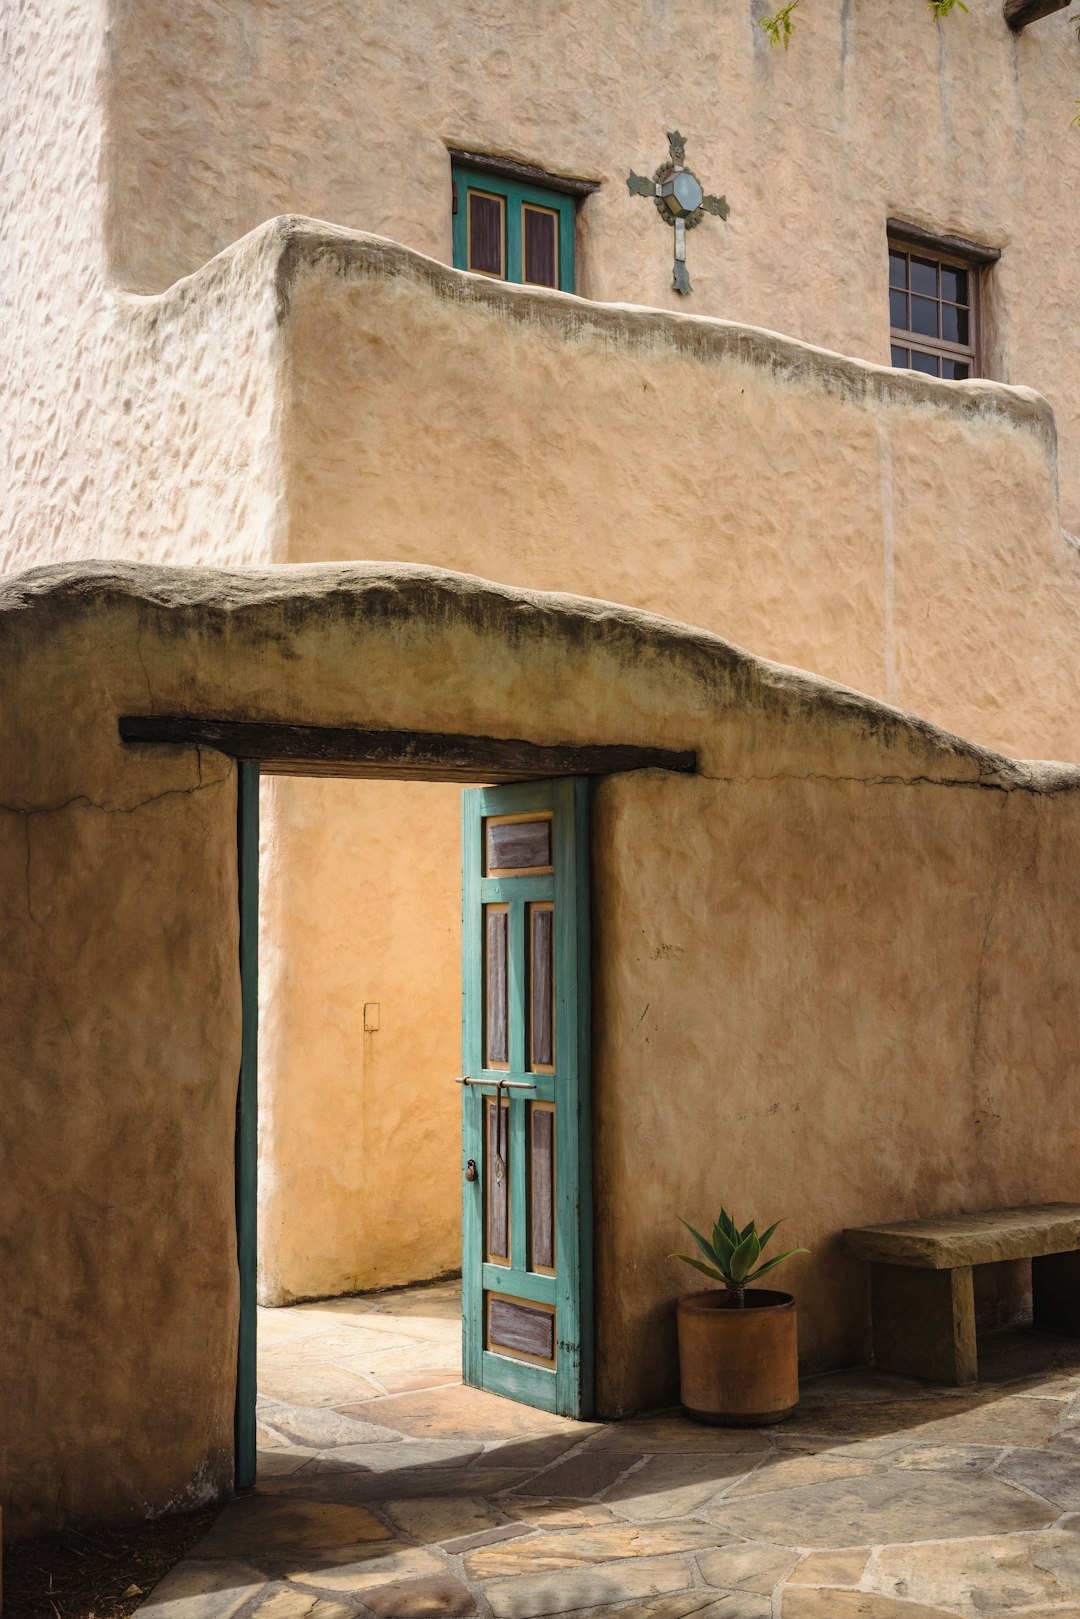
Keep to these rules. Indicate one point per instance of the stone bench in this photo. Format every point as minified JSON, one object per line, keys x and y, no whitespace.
{"x":922,"y":1291}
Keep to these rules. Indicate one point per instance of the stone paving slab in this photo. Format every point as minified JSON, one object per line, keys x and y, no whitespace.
{"x":566,"y":1590}
{"x":286,"y":1602}
{"x":1001,"y":1574}
{"x":197,"y":1590}
{"x":463,"y":1413}
{"x":263,"y":1531}
{"x":352,"y":1569}
{"x":806,"y":1604}
{"x":881,"y":1499}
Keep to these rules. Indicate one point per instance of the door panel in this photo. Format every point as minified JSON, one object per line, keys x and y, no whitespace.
{"x":526,"y":1213}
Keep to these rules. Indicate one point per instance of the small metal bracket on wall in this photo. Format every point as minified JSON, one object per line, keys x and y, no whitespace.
{"x":680,"y":201}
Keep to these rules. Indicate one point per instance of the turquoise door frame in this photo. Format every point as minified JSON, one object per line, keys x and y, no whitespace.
{"x":515,"y":1176}
{"x":247,"y":1118}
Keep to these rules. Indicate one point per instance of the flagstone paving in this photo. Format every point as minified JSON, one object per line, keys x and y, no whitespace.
{"x":387,"y":1490}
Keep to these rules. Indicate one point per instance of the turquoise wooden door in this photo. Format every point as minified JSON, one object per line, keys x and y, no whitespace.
{"x":526,"y":1150}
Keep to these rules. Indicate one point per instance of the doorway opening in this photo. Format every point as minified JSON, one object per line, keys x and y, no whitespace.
{"x":326,"y":1224}
{"x":358,"y":1241}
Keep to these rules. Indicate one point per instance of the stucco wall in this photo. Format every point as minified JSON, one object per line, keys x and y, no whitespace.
{"x":129,"y":426}
{"x":222,"y":116}
{"x":849,"y":888}
{"x":828,"y":972}
{"x":900,"y":536}
{"x":312,"y":393}
{"x":873,"y":526}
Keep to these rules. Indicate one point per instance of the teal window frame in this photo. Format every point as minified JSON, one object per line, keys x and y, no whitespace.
{"x":514,"y":195}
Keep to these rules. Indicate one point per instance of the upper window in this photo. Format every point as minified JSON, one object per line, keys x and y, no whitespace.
{"x":512,"y":231}
{"x":933,"y":312}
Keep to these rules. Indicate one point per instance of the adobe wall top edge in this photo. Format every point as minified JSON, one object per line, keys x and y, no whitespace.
{"x":292,"y":248}
{"x":292,"y":599}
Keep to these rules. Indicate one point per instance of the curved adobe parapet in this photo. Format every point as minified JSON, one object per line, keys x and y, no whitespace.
{"x":310,"y":244}
{"x":400,"y":646}
{"x":875,"y":525}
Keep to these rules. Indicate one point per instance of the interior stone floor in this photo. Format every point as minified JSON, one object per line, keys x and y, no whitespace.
{"x":386,"y":1488}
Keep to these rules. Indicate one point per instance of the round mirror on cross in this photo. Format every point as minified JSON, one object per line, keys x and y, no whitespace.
{"x":680,"y":200}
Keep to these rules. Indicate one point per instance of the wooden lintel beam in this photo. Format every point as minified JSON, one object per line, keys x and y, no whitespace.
{"x":1018,"y":13}
{"x":317,"y":750}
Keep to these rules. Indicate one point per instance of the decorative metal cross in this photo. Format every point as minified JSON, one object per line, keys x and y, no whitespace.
{"x":680,"y":201}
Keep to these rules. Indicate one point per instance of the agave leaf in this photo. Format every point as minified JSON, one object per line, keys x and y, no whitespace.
{"x":699,"y":1264}
{"x":723,"y":1247}
{"x":779,"y":1260}
{"x":746,"y":1230}
{"x":728,"y":1226}
{"x":703,"y":1243}
{"x":763,"y":1239}
{"x":745,"y":1257}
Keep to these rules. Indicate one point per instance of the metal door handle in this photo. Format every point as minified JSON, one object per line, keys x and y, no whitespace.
{"x":502,"y":1084}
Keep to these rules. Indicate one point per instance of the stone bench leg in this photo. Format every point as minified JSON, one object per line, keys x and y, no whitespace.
{"x":1055,"y":1292}
{"x":924,"y":1322}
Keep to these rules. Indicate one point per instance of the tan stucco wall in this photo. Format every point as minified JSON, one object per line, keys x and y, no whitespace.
{"x":859,"y":943}
{"x":311,"y":393}
{"x":876,"y":923}
{"x":872,"y":526}
{"x":824,"y":514}
{"x":359,"y":1159}
{"x":220,"y":117}
{"x":882,"y":531}
{"x":913,"y":550}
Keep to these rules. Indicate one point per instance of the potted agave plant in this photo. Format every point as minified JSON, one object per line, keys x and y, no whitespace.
{"x":738,"y":1349}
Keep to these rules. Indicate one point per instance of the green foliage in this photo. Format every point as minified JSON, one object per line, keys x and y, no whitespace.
{"x":941,"y":8}
{"x":780,"y":27}
{"x":731,"y":1256}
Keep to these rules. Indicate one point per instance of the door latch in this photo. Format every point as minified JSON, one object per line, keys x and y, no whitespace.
{"x":470,"y":1170}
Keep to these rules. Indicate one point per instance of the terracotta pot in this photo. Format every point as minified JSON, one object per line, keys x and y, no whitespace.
{"x":739,"y":1368}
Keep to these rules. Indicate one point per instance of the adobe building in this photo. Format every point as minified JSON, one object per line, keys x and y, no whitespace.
{"x":262,"y":313}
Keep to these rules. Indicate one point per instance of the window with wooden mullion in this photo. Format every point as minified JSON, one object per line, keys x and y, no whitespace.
{"x":933,"y":313}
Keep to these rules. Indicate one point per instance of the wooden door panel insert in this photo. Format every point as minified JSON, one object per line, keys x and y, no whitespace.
{"x":496,"y":1185}
{"x":517,"y":845}
{"x":521,"y":1329}
{"x":497,"y":987}
{"x":540,"y":933}
{"x":542,"y":1188}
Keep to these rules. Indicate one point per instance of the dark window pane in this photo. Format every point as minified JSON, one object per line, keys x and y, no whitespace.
{"x":898,"y":269}
{"x":900,"y":357}
{"x":924,"y":276}
{"x":541,"y":230}
{"x":485,"y":233}
{"x":924,"y":362}
{"x":924,"y":316}
{"x":954,"y":284}
{"x":955,"y":370}
{"x":954,"y":324}
{"x":898,"y":315}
